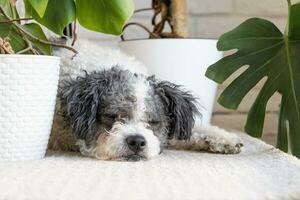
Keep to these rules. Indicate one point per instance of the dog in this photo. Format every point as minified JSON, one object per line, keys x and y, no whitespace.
{"x":109,"y":108}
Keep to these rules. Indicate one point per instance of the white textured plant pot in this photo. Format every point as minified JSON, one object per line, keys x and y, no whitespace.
{"x":27,"y":101}
{"x":182,"y":61}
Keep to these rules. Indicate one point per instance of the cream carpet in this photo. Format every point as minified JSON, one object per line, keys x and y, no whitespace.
{"x":259,"y":172}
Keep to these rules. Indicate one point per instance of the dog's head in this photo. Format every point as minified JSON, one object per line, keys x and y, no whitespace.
{"x":118,"y":115}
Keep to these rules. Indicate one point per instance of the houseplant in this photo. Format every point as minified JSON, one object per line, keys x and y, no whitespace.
{"x":170,"y":55}
{"x":269,"y":54}
{"x":29,"y":75}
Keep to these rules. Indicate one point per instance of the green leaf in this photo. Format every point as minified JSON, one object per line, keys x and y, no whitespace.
{"x":106,"y":16}
{"x":8,"y":8}
{"x":282,"y":139}
{"x":57,"y":16}
{"x":16,"y":41}
{"x":36,"y":30}
{"x":294,"y":22}
{"x":28,"y":8}
{"x":39,"y":6}
{"x":5,"y":5}
{"x":268,"y":54}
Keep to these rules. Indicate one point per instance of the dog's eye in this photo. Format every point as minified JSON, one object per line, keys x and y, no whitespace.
{"x":111,"y":116}
{"x":154,"y":122}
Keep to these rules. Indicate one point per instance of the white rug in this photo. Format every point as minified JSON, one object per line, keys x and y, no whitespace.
{"x":259,"y":172}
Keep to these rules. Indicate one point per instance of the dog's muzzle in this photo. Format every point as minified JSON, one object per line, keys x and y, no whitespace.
{"x":136,"y":143}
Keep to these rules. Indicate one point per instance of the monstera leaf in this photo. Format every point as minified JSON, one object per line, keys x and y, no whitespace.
{"x":268,"y":53}
{"x":105,"y":16}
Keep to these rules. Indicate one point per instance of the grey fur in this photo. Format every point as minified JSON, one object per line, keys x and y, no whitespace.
{"x":88,"y":98}
{"x":97,"y":100}
{"x":79,"y":102}
{"x":103,"y":108}
{"x":180,"y":107}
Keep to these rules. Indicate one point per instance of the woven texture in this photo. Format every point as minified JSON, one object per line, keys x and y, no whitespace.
{"x":28,"y":86}
{"x":259,"y":172}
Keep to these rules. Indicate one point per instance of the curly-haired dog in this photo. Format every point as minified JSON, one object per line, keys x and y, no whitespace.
{"x":109,"y":108}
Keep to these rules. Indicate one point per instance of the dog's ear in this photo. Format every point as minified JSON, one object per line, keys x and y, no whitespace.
{"x":180,"y":108}
{"x":80,"y":99}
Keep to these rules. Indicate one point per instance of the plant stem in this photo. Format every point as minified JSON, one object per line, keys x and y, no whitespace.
{"x":16,"y":20}
{"x":5,"y":46}
{"x":43,"y":41}
{"x":287,"y":28}
{"x":140,"y":25}
{"x":179,"y":17}
{"x":142,"y":9}
{"x":29,"y":46}
{"x":74,"y":34}
{"x":20,"y":29}
{"x":24,"y":50}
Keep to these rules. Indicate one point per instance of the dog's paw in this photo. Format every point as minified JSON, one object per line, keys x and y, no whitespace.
{"x":231,"y":144}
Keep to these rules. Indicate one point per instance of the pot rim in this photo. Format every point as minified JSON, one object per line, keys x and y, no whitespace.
{"x":146,"y":39}
{"x":29,"y":55}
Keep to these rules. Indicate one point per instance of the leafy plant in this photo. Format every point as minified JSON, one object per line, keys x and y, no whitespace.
{"x":268,"y":53}
{"x":105,"y":16}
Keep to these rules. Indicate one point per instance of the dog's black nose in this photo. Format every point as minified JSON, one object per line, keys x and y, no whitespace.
{"x":136,"y":143}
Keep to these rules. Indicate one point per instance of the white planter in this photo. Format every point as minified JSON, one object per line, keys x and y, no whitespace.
{"x":182,"y":61}
{"x":28,"y":86}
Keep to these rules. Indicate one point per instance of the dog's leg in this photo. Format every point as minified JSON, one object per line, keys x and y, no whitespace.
{"x":212,"y":139}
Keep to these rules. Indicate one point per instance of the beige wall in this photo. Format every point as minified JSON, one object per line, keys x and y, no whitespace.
{"x":209,"y":19}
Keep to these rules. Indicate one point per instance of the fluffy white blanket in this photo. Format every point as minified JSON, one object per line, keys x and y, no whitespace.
{"x":259,"y":172}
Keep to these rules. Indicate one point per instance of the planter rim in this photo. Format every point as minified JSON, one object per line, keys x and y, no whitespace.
{"x":146,"y":39}
{"x":29,"y":56}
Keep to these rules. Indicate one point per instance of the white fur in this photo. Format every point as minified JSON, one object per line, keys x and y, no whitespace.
{"x":210,"y":138}
{"x":92,"y":57}
{"x":141,"y":88}
{"x":112,"y":145}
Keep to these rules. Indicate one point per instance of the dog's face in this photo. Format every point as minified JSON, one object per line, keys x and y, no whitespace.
{"x":118,"y":115}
